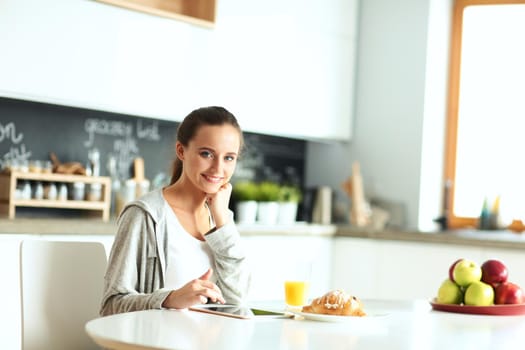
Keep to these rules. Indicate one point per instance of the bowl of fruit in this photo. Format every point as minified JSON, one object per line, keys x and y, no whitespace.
{"x":479,"y":289}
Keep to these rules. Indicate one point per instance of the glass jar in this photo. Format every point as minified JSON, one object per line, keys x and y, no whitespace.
{"x":38,"y":190}
{"x":78,"y":191}
{"x":35,"y":166}
{"x":23,"y":166}
{"x":47,"y":167}
{"x":62,"y":192}
{"x":50,"y":191}
{"x":26,"y":190}
{"x":95,"y":192}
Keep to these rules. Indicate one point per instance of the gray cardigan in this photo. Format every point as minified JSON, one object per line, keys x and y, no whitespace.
{"x":136,"y":268}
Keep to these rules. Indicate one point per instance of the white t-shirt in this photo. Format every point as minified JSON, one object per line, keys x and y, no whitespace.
{"x":188,"y":257}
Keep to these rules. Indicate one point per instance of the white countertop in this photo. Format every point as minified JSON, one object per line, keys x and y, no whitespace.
{"x":298,"y":228}
{"x":390,"y":325}
{"x":494,"y":239}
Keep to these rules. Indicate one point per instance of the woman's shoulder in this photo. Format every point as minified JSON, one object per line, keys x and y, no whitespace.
{"x":152,"y":203}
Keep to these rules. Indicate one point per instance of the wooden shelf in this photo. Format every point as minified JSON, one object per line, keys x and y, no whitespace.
{"x":70,"y":204}
{"x":199,"y":12}
{"x":9,"y":202}
{"x":58,"y":177}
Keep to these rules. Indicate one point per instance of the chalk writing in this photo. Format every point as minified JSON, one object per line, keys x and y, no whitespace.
{"x":126,"y":150}
{"x":8,"y":132}
{"x":125,"y":146}
{"x":16,"y":150}
{"x":106,"y":127}
{"x":148,"y":132}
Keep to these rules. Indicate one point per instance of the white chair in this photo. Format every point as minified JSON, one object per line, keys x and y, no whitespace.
{"x":61,"y":286}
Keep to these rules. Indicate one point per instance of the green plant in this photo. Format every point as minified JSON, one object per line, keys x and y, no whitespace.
{"x":268,"y":192}
{"x":245,"y":191}
{"x":290,"y":193}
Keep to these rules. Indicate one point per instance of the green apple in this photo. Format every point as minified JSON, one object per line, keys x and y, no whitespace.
{"x":449,"y":293}
{"x":466,"y":271}
{"x":479,"y":294}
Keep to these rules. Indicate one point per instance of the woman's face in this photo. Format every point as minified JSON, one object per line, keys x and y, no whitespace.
{"x":210,"y":157}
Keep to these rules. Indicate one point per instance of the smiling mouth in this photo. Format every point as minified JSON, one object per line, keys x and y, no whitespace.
{"x":213,"y":179}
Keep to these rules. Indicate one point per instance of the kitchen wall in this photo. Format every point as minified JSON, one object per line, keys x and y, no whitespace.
{"x":399,"y":94}
{"x":278,"y":65}
{"x":31,"y":130}
{"x":285,"y":68}
{"x":402,"y":68}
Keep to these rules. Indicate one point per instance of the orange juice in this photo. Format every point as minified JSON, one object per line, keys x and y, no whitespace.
{"x":296,"y":292}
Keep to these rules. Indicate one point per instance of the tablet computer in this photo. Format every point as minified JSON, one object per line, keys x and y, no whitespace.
{"x":236,"y":311}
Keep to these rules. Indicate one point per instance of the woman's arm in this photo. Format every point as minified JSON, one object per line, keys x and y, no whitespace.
{"x":232,"y":270}
{"x":132,"y":279}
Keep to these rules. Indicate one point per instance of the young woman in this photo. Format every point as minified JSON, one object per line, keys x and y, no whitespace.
{"x":178,"y":246}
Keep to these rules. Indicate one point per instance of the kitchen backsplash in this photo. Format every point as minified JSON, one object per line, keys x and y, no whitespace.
{"x":31,"y":130}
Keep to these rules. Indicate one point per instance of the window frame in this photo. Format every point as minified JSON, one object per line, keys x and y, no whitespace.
{"x":453,"y":221}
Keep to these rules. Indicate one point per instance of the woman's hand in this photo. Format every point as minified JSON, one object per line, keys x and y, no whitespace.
{"x":218,"y":204}
{"x":197,"y":291}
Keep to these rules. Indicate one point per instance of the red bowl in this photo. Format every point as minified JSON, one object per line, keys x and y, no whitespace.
{"x":498,"y":310}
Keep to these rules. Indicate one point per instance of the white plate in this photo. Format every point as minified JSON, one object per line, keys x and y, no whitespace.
{"x":333,"y":318}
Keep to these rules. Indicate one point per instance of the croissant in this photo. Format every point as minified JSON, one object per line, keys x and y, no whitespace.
{"x":336,"y":302}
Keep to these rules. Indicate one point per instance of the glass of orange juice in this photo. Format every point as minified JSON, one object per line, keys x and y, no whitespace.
{"x":296,"y":293}
{"x":297,"y":285}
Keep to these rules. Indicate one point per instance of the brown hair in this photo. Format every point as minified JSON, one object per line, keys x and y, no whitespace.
{"x":213,"y":115}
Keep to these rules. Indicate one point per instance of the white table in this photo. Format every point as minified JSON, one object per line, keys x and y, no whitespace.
{"x":406,"y":325}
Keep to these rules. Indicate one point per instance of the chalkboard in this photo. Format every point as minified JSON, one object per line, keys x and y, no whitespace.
{"x":31,"y":130}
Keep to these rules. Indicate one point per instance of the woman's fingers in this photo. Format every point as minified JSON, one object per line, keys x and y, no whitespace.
{"x":207,"y":289}
{"x":210,"y":285}
{"x":204,"y":281}
{"x":207,"y":274}
{"x":211,"y":292}
{"x":198,"y":291}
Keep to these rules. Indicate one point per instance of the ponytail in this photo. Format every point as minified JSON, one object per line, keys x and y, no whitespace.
{"x":177,"y":170}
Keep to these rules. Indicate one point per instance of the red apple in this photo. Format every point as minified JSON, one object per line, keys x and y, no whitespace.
{"x":494,"y":272}
{"x":509,"y":293}
{"x":451,"y":270}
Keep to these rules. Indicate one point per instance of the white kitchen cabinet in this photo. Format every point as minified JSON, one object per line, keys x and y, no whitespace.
{"x":282,"y":67}
{"x":355,"y":267}
{"x":198,"y":12}
{"x":273,"y":257}
{"x":412,"y":270}
{"x":290,"y":65}
{"x":371,"y":268}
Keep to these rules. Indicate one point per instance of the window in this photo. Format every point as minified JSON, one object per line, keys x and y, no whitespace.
{"x":485,"y":156}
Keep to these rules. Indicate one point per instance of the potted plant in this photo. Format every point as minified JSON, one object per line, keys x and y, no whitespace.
{"x":268,"y":202}
{"x":245,"y":193}
{"x":289,"y":198}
